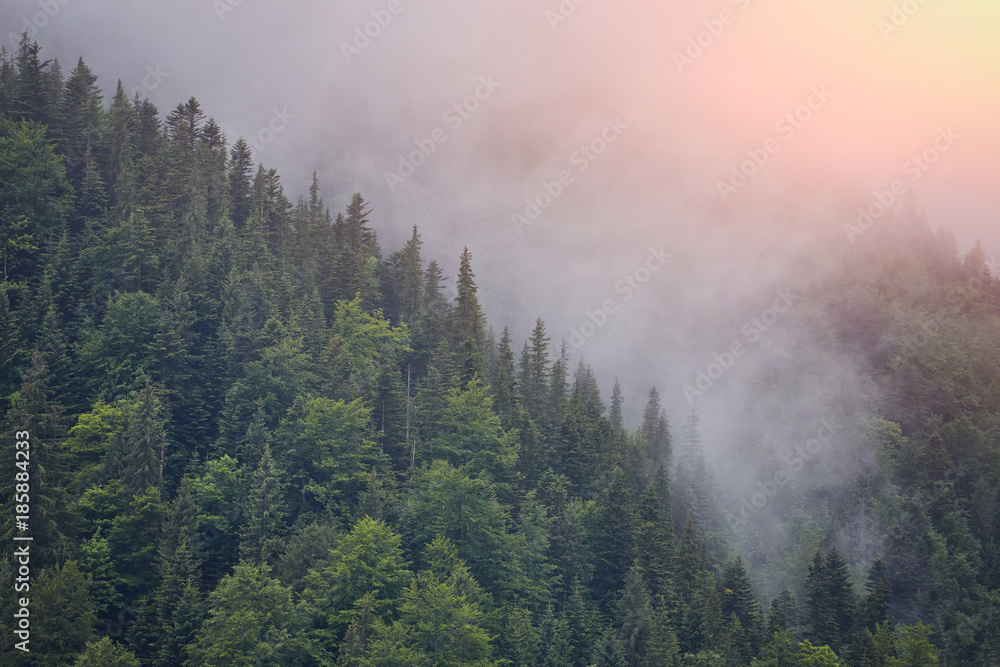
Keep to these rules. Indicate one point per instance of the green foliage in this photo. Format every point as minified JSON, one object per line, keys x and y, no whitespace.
{"x":472,"y":434}
{"x":246,"y":378}
{"x":360,"y":341}
{"x":105,"y":653}
{"x":447,"y":501}
{"x":327,"y":451}
{"x":122,"y":352}
{"x":817,"y":656}
{"x":35,"y":197}
{"x":439,"y":624}
{"x":62,"y":614}
{"x":914,"y":648}
{"x":251,"y":620}
{"x":366,"y":569}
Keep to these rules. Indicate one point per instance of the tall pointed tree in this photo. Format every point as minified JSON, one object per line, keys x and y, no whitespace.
{"x":36,"y":420}
{"x":468,"y":328}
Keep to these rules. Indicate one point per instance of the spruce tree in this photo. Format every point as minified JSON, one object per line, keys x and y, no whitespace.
{"x":615,"y":413}
{"x":240,"y":169}
{"x":179,"y":568}
{"x":655,"y":539}
{"x":261,"y":536}
{"x":533,"y":380}
{"x":36,"y":420}
{"x":504,"y":384}
{"x":468,"y":329}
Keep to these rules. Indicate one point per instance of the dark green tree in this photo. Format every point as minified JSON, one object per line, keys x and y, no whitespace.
{"x":251,"y":620}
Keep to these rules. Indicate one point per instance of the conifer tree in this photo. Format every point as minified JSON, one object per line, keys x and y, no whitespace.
{"x":586,"y":389}
{"x":468,"y":329}
{"x":31,"y":101}
{"x":261,"y":535}
{"x":179,"y":568}
{"x":875,"y":604}
{"x":141,"y":453}
{"x":504,"y":384}
{"x":656,"y":431}
{"x":830,"y":604}
{"x":63,"y":613}
{"x":655,"y":538}
{"x":240,"y":169}
{"x":533,"y":380}
{"x":615,"y":550}
{"x":80,"y":118}
{"x":437,"y":310}
{"x":558,"y":394}
{"x":615,"y":414}
{"x":634,"y":615}
{"x":36,"y":419}
{"x":740,"y":602}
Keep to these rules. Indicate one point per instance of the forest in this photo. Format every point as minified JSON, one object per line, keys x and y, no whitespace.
{"x":258,"y":438}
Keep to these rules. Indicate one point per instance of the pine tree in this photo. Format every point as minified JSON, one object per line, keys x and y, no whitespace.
{"x":504,"y":384}
{"x":585,"y":387}
{"x":411,"y":280}
{"x":655,"y":538}
{"x":635,"y":613}
{"x":558,"y":394}
{"x":30,"y":82}
{"x":533,"y":381}
{"x":63,"y":613}
{"x":118,"y":149}
{"x":179,"y":568}
{"x":468,"y":329}
{"x":656,"y":431}
{"x":437,"y":309}
{"x":35,"y":419}
{"x":615,"y":545}
{"x":615,"y":414}
{"x":81,"y":116}
{"x":240,"y":169}
{"x":740,"y":602}
{"x":875,"y":604}
{"x":142,"y":449}
{"x":8,"y":82}
{"x":830,"y":604}
{"x":260,"y":537}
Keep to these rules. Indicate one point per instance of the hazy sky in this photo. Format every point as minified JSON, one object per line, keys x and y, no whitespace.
{"x":641,"y":109}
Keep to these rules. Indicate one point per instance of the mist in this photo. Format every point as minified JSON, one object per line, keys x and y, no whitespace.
{"x":649,"y":180}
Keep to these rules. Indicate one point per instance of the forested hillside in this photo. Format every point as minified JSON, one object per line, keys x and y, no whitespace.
{"x":259,"y":438}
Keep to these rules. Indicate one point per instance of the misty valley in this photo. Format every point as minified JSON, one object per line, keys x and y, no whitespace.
{"x":238,"y":430}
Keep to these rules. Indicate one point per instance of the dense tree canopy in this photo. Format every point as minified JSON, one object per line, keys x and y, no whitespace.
{"x":257,"y":440}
